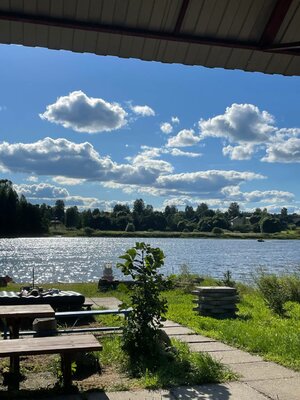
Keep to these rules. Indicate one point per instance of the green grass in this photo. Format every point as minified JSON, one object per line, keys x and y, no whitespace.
{"x":256,"y":329}
{"x":178,"y":367}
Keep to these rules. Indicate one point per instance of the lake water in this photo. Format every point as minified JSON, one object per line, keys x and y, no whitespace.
{"x":60,"y":259}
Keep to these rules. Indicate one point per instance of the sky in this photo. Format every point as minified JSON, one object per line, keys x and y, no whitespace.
{"x":94,"y":131}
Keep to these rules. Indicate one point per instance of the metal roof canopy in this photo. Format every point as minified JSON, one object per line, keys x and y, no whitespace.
{"x":251,"y":35}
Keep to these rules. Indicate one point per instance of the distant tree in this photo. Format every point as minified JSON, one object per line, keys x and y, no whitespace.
{"x":121,"y":208}
{"x":181,"y":226}
{"x":189,"y":212}
{"x":202,"y":210}
{"x":284,"y":215}
{"x":72,"y":218}
{"x":233,"y":210}
{"x":218,"y":221}
{"x":205,"y":224}
{"x":170,"y":210}
{"x":8,"y":207}
{"x":86,"y":218}
{"x":59,"y":210}
{"x":270,"y":225}
{"x":139,"y":206}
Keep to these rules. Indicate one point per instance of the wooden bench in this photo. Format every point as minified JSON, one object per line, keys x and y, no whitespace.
{"x":66,"y":346}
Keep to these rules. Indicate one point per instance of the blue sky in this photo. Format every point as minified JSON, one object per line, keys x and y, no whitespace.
{"x":94,"y":131}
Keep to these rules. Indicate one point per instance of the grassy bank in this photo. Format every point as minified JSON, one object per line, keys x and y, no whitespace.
{"x":290,"y":234}
{"x":256,"y":329}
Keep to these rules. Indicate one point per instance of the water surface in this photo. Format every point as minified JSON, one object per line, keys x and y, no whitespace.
{"x":60,"y":259}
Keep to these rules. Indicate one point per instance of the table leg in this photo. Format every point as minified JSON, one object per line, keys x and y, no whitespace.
{"x":14,"y":375}
{"x":14,"y":368}
{"x":66,"y":362}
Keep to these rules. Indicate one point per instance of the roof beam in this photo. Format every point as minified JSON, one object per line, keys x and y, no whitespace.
{"x":181,"y":15}
{"x":134,"y":32}
{"x":275,"y":21}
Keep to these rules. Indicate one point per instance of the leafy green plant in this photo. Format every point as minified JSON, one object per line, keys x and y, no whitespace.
{"x":273,"y":291}
{"x":141,"y":335}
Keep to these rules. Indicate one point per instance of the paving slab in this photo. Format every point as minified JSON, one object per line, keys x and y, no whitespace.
{"x":193,"y":338}
{"x":168,"y":324}
{"x":177,"y":330}
{"x":232,"y":391}
{"x":131,"y":395}
{"x":111,"y":303}
{"x":234,"y":357}
{"x":279,"y":389}
{"x":262,"y":370}
{"x":210,"y":346}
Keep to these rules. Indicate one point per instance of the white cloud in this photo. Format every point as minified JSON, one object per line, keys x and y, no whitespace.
{"x":283,"y":151}
{"x":184,"y":138}
{"x":179,"y":153}
{"x":60,"y":157}
{"x":85,"y":114}
{"x":274,"y":196}
{"x":32,"y":178}
{"x":243,"y":152}
{"x":144,"y":111}
{"x":240,"y":123}
{"x":166,"y":127}
{"x":41,"y":190}
{"x":205,"y":181}
{"x":62,"y":180}
{"x":233,"y":193}
{"x":154,"y":152}
{"x":175,"y":120}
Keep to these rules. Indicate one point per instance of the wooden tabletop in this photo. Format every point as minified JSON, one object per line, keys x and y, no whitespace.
{"x":29,"y":310}
{"x":49,"y":345}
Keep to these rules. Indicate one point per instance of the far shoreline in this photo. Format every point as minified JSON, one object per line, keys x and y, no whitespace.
{"x":284,"y":235}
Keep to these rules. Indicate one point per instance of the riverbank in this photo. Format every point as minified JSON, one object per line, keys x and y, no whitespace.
{"x":284,"y":235}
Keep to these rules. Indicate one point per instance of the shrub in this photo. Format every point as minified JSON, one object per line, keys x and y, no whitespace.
{"x":273,"y":292}
{"x":276,"y":291}
{"x":88,"y":231}
{"x":217,"y":231}
{"x":227,"y":280}
{"x":142,"y":337}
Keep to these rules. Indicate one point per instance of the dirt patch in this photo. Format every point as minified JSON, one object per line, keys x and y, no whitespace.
{"x":41,"y":373}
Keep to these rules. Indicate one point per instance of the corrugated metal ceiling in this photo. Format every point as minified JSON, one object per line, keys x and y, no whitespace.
{"x":233,"y":34}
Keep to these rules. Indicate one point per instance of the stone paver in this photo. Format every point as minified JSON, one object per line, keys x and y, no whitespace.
{"x":232,"y":391}
{"x":133,"y":395}
{"x":210,"y":347}
{"x":234,"y":357}
{"x":279,"y":389}
{"x":111,"y":303}
{"x":261,"y":371}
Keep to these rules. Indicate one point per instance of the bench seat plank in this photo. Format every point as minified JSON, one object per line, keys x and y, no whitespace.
{"x":49,"y":345}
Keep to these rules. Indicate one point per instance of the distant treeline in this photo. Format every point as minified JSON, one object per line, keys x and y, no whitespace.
{"x":17,"y":216}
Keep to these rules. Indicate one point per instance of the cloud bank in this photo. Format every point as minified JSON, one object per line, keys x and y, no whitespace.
{"x":81,"y":113}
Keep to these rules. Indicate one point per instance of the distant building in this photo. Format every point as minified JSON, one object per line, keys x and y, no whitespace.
{"x":238,"y":221}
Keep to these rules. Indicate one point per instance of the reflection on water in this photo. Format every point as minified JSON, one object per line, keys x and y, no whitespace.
{"x":60,"y":259}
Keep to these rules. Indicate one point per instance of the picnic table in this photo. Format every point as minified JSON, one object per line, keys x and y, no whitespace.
{"x":66,"y":346}
{"x":12,"y":317}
